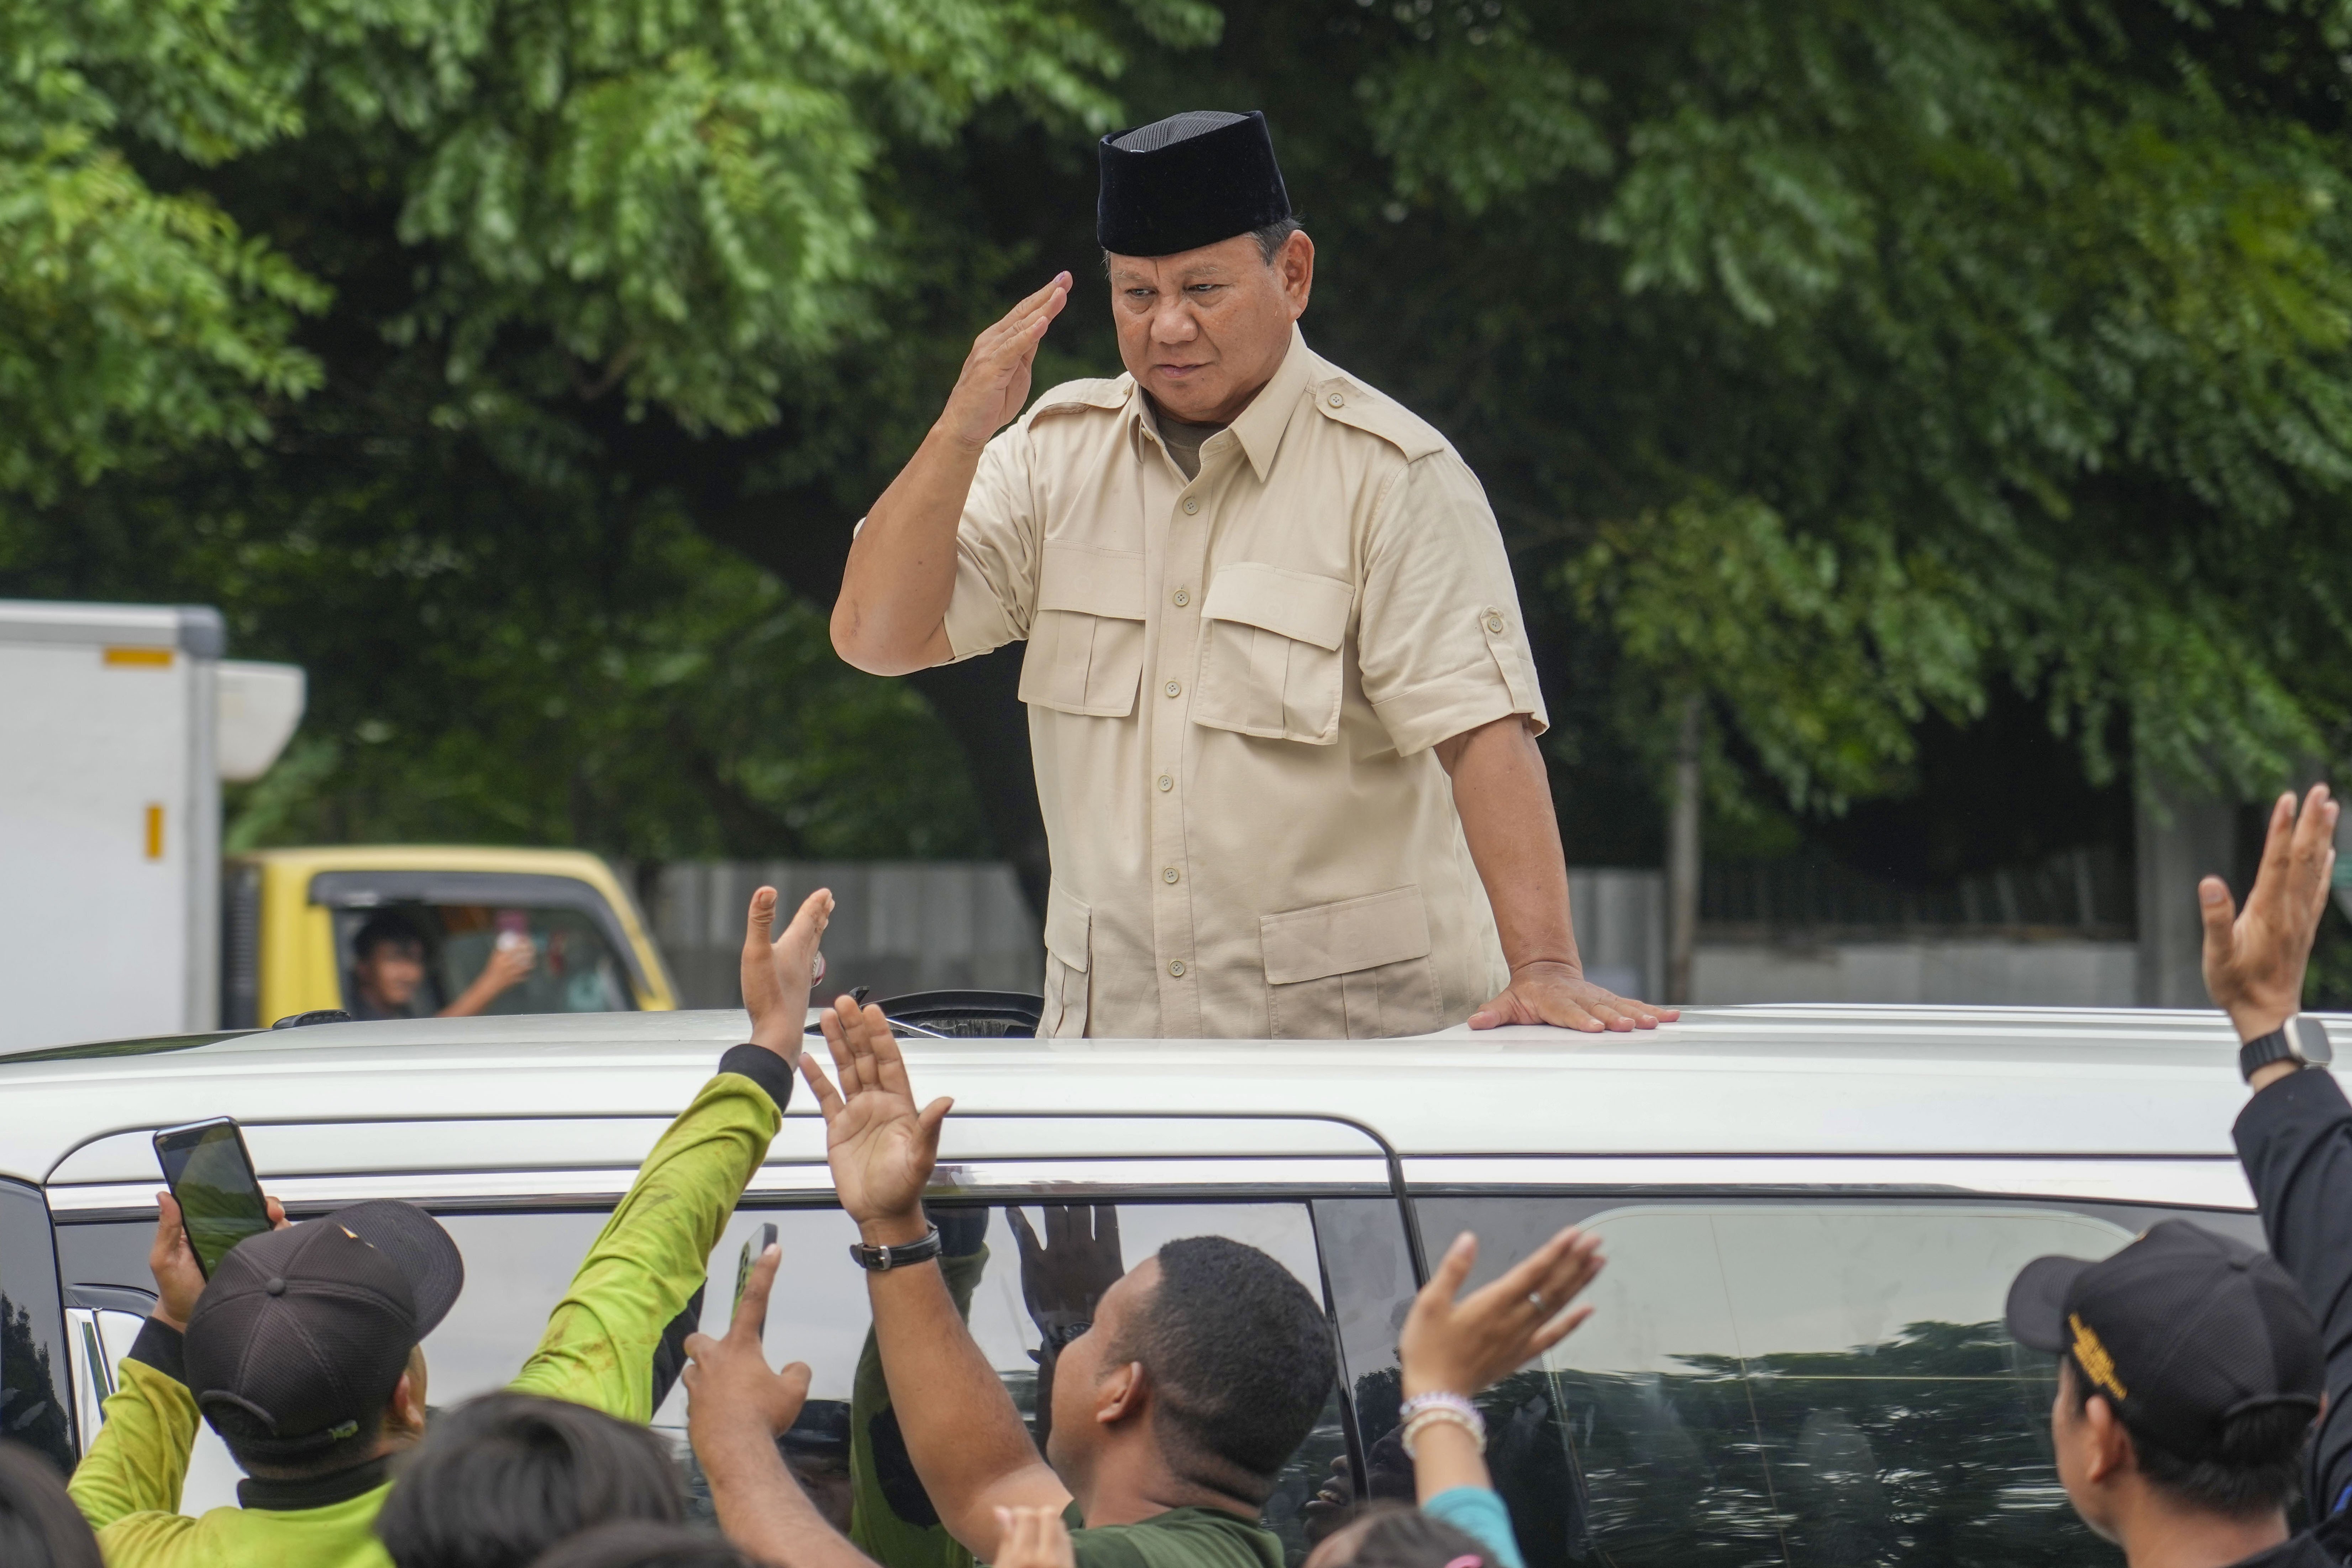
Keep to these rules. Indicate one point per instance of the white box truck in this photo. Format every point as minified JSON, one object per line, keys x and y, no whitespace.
{"x":118,"y":723}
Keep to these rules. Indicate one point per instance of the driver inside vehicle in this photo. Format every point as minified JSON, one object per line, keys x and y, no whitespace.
{"x":388,"y":970}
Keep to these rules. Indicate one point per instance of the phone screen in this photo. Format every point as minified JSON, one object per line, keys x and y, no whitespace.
{"x":207,"y":1169}
{"x":751,"y":1251}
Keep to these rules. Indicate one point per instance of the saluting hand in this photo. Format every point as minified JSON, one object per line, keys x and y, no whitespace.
{"x":994,"y":385}
{"x":2254,"y":959}
{"x":880,"y":1147}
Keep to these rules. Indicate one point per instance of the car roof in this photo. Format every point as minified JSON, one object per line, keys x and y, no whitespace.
{"x":1817,"y":1080}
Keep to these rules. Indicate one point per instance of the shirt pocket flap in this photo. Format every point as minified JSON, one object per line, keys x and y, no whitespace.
{"x":1069,"y":927}
{"x":1091,"y":581}
{"x":1297,"y":605}
{"x":1342,"y":938}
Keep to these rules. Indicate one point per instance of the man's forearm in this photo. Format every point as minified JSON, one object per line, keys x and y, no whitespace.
{"x":891,"y":616}
{"x":1504,"y":799}
{"x":967,"y":1441}
{"x":763,"y":1510}
{"x":2294,"y":1139}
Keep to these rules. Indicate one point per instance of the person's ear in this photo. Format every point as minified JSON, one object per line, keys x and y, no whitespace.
{"x":2110,"y":1450}
{"x":404,"y":1414}
{"x":1121,"y":1393}
{"x":1294,"y":264}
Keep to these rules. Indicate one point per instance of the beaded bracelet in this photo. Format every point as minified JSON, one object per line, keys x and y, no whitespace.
{"x":1441,"y":1415}
{"x":1422,"y":1409}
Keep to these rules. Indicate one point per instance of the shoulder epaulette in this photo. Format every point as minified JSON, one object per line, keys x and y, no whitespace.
{"x":1073,"y":396}
{"x":1350,"y":402}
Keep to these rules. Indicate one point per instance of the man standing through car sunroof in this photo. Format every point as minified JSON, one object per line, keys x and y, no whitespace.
{"x":1281,"y":702}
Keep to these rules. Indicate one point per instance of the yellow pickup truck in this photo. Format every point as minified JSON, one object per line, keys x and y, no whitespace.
{"x":293,"y":918}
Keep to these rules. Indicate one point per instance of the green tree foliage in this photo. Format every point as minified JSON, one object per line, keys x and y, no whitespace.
{"x":1867,"y":368}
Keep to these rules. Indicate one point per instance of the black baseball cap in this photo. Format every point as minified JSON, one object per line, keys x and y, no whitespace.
{"x":301,"y":1334}
{"x":2180,"y":1331}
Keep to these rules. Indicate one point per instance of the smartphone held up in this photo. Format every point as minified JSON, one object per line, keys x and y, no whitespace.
{"x":212,"y":1179}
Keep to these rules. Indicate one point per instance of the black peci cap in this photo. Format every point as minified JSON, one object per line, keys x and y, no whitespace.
{"x":2180,"y":1331}
{"x":301,"y":1334}
{"x":1187,"y":181}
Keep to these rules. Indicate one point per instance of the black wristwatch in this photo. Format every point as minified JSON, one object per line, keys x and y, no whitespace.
{"x":2301,"y":1040}
{"x":881,"y":1257}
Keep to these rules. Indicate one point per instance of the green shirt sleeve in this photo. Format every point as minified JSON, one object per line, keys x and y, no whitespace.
{"x":139,"y":1458}
{"x":599,"y":1346}
{"x":891,"y":1519}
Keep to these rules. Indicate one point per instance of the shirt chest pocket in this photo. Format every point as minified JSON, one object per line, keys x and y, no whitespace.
{"x":1086,"y":642}
{"x":1270,"y":653}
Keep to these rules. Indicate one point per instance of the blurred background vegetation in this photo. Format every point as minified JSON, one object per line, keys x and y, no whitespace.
{"x":1951,"y":394}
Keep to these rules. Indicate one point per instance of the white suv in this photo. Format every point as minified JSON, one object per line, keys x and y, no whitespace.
{"x":1811,"y":1214}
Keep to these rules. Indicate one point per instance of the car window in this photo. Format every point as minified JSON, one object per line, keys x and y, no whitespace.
{"x":1802,"y":1384}
{"x":517,"y":1265}
{"x":577,"y":972}
{"x":35,"y":1395}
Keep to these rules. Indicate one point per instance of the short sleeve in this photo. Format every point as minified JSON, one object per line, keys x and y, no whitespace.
{"x":997,"y":544}
{"x":1440,"y":639}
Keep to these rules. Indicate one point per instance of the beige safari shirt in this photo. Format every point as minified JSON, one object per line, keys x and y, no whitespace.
{"x":1233,"y":686}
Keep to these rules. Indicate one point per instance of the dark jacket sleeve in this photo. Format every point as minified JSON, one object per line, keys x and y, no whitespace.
{"x":2294,"y":1139}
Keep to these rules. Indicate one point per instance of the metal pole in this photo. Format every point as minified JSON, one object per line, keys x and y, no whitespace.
{"x":1682,"y":858}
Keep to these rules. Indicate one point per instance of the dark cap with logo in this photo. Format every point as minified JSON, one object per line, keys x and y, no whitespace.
{"x":1187,"y":181}
{"x":2180,"y":1331}
{"x":301,"y":1334}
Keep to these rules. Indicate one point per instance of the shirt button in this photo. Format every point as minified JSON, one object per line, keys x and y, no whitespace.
{"x":1192,"y":505}
{"x":1176,"y":967}
{"x":1168,"y":873}
{"x":1166,"y":783}
{"x":1336,"y":401}
{"x":1172,"y":688}
{"x":1183,"y":597}
{"x":1494,"y":621}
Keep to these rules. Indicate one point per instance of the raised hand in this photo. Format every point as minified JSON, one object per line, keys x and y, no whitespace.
{"x":178,"y":1279}
{"x":1461,"y":1347}
{"x":778,"y":971}
{"x":1064,"y":1275}
{"x":732,"y":1399}
{"x":994,"y":385}
{"x":880,"y":1147}
{"x":2254,"y":958}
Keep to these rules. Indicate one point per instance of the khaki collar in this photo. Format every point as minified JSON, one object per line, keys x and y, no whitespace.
{"x":1260,"y":426}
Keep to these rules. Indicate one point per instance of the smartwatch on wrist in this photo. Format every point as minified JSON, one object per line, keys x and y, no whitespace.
{"x":2300,"y":1040}
{"x":879,"y":1259}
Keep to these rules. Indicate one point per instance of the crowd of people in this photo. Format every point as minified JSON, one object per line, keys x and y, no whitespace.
{"x":2201,"y":1381}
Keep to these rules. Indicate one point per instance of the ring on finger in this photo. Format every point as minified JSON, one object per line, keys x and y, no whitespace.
{"x":1535,"y":1300}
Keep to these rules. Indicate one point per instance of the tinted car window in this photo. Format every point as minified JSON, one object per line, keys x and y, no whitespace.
{"x":1806,"y":1383}
{"x":36,"y":1400}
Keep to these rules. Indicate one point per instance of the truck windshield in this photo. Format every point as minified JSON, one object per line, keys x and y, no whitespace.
{"x":574,"y":967}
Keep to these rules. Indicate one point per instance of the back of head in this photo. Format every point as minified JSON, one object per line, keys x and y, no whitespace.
{"x":1393,"y":1535}
{"x":2252,"y":1467}
{"x":1239,"y":1353}
{"x":40,"y":1526}
{"x":501,"y":1478}
{"x":632,"y":1543}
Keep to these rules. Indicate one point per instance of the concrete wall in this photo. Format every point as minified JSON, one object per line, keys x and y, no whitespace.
{"x":897,"y":925}
{"x":903,"y":926}
{"x":1984,"y":972}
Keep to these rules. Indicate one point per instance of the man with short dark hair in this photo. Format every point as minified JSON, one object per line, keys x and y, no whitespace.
{"x":2193,"y":1369}
{"x":1204,"y":1368}
{"x":388,"y":958}
{"x":302,"y":1349}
